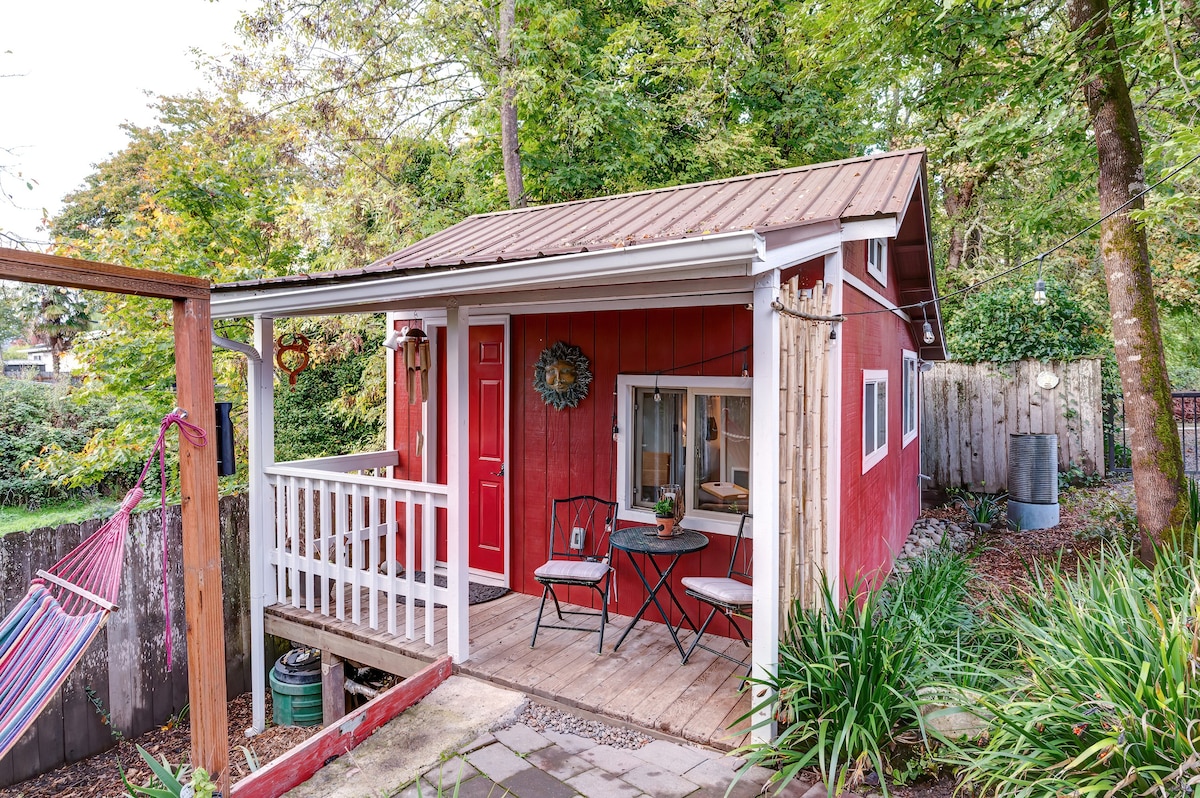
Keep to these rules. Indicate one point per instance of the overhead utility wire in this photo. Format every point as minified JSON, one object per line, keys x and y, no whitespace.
{"x":1028,"y":261}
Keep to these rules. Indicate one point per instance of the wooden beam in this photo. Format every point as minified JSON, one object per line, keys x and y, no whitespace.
{"x":333,"y":688}
{"x":203,"y":602}
{"x":35,"y":267}
{"x":375,"y":654}
{"x":298,"y":765}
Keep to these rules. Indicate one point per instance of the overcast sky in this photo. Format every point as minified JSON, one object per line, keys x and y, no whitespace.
{"x":74,"y":70}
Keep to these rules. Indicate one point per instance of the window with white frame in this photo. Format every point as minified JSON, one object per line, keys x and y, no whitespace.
{"x":909,"y":373}
{"x":877,"y":259}
{"x":689,"y":435}
{"x":875,"y":417}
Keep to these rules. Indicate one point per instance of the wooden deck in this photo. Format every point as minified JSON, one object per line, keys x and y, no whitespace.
{"x":643,"y":684}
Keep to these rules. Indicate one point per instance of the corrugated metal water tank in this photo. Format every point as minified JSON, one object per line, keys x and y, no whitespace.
{"x":1032,"y":481}
{"x":1033,"y":468}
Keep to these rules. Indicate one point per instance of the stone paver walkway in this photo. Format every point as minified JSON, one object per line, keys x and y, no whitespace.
{"x":520,"y":762}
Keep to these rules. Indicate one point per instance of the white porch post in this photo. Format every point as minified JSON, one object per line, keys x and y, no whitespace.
{"x":765,"y":499}
{"x":260,"y":413}
{"x":458,"y":418}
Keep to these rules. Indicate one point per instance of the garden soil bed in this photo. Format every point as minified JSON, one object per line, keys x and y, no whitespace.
{"x":100,"y":776}
{"x":1001,"y":565}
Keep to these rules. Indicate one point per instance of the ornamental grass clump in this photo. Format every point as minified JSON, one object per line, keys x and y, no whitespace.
{"x":849,"y":677}
{"x":1107,"y":701}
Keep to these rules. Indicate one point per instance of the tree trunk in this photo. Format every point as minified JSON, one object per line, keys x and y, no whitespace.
{"x":958,"y":202}
{"x":509,"y":143}
{"x":1158,"y":477}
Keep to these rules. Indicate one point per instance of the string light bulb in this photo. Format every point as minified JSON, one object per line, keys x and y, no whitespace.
{"x":1039,"y":287}
{"x":1039,"y":294}
{"x":926,"y":328}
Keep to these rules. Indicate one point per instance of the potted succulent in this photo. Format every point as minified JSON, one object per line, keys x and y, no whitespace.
{"x":664,"y":513}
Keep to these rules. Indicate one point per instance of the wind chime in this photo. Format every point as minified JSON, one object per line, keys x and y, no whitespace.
{"x":412,"y":344}
{"x":294,"y":350}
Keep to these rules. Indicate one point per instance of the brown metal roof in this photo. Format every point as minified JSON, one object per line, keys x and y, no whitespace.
{"x":858,"y":188}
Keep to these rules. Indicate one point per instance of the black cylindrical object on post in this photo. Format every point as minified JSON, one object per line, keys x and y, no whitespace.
{"x":226,"y":465}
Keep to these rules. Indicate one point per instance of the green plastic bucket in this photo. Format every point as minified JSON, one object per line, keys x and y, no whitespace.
{"x":296,"y":688}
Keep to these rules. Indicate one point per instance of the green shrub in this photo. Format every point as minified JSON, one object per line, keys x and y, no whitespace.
{"x":34,"y":418}
{"x":1015,"y":328}
{"x":848,"y":678}
{"x":1108,"y":697}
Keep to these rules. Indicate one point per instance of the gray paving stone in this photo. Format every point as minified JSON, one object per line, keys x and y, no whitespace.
{"x":558,"y":763}
{"x":478,"y":787}
{"x":521,"y":739}
{"x":450,"y":772}
{"x":599,"y":783}
{"x":413,"y":791}
{"x":534,"y":783}
{"x":659,"y":782}
{"x":719,"y":773}
{"x":477,"y":743}
{"x":497,"y":762}
{"x":614,"y":760}
{"x":571,"y":743}
{"x":673,"y":756}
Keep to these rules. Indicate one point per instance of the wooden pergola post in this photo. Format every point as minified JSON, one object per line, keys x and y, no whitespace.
{"x":204,"y":604}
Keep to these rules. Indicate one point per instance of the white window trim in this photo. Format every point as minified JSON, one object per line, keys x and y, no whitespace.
{"x":874,"y":376}
{"x":699,"y":520}
{"x":878,"y":270}
{"x":910,"y":365}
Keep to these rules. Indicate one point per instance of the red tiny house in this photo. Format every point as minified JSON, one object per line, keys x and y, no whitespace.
{"x":766,"y":314}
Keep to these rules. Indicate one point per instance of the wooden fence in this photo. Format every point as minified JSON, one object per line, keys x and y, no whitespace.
{"x":122,"y":685}
{"x":969,"y":410}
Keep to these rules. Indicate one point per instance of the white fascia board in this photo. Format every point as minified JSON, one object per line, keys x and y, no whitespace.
{"x":722,"y":255}
{"x":864,"y":229}
{"x":790,"y":254}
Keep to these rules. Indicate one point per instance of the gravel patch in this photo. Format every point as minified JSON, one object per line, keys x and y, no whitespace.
{"x":543,"y":718}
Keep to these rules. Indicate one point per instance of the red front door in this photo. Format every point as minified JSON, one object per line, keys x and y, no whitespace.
{"x":485,"y":443}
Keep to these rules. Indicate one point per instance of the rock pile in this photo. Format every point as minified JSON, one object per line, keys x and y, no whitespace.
{"x":930,"y":533}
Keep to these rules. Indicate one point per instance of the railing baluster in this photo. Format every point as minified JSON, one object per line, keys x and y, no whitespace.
{"x":340,"y":542}
{"x":373,"y":560}
{"x":310,"y":577}
{"x":293,"y":541}
{"x":391,"y":561}
{"x":429,"y":556}
{"x":280,"y":539}
{"x":410,"y":564}
{"x":356,"y":524}
{"x":324,"y":548}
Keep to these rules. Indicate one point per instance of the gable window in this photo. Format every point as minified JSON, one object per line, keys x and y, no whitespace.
{"x":877,"y":259}
{"x":875,"y":417}
{"x":909,"y":373}
{"x":686,"y":435}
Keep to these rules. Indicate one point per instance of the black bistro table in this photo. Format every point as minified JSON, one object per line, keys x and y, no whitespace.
{"x":645,"y":540}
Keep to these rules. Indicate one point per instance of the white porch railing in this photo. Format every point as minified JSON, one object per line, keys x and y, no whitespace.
{"x":338,"y":548}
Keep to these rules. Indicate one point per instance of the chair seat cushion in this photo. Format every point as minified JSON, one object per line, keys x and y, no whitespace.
{"x":572,"y":570}
{"x":720,"y":589}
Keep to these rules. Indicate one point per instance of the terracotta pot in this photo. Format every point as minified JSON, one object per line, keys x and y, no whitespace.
{"x":666,"y":526}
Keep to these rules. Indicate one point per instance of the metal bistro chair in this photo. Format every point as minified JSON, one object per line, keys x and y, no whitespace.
{"x":731,"y":594}
{"x":580,"y":555}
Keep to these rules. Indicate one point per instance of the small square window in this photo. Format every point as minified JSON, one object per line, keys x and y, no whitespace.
{"x":875,"y":417}
{"x":877,"y":259}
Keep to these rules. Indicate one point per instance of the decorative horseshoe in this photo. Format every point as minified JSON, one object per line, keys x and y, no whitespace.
{"x":299,"y":345}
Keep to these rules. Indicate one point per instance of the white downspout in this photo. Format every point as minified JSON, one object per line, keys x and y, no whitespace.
{"x":260,"y":414}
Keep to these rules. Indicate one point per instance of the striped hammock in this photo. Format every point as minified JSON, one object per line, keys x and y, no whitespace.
{"x":48,"y":632}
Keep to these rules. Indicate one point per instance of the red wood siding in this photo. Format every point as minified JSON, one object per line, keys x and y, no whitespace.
{"x":877,"y":508}
{"x":572,"y":452}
